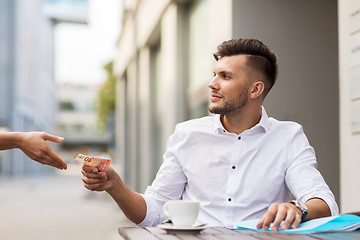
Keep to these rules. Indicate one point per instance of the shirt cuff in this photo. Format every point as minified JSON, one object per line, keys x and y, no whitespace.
{"x":334,"y":209}
{"x":153,"y":216}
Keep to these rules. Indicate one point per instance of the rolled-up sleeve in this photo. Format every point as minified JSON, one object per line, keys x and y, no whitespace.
{"x":154,"y":213}
{"x":303,"y":178}
{"x":169,"y":184}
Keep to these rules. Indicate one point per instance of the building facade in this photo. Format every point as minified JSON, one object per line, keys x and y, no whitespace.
{"x":27,"y":84}
{"x":349,"y":68}
{"x":163,"y":73}
{"x":165,"y":62}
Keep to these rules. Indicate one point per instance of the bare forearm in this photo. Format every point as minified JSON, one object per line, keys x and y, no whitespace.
{"x":131,"y":203}
{"x":9,"y":140}
{"x":317,"y":208}
{"x":34,"y":145}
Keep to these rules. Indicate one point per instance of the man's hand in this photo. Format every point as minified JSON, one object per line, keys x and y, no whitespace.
{"x":34,"y":145}
{"x":278,"y":212}
{"x":131,"y":203}
{"x":98,"y":181}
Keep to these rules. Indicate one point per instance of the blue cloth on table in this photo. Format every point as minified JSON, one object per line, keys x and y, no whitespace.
{"x":346,"y":222}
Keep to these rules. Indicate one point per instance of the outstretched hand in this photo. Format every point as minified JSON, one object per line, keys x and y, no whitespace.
{"x":34,"y":145}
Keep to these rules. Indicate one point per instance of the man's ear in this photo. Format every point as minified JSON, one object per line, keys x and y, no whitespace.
{"x":257,"y":89}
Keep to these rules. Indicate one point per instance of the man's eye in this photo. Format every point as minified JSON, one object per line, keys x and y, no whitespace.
{"x":226,"y":77}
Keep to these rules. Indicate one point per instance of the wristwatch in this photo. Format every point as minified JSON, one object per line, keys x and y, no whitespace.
{"x":302,"y":207}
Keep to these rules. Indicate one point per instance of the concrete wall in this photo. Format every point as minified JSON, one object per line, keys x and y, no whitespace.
{"x":303,"y":33}
{"x":349,"y":57}
{"x":152,"y":70}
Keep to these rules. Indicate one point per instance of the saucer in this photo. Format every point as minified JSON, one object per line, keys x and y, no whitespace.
{"x":171,"y":229}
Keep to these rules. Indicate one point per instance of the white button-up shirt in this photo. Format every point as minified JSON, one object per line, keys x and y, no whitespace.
{"x":235,"y":177}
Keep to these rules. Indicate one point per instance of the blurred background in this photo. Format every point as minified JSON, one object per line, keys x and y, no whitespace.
{"x":56,"y":75}
{"x":114,"y":77}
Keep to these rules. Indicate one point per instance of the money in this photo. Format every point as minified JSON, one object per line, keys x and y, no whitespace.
{"x":100,"y":163}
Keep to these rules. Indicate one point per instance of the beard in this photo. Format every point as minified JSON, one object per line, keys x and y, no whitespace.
{"x":232,"y":105}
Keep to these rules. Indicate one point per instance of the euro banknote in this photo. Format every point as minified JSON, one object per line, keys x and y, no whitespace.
{"x":100,"y":163}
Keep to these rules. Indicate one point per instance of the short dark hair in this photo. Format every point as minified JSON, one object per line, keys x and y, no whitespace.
{"x":260,"y":56}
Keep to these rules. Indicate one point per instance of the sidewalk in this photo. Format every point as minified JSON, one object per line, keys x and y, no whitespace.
{"x":54,"y":208}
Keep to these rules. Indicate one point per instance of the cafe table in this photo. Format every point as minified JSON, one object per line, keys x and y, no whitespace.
{"x":222,"y":233}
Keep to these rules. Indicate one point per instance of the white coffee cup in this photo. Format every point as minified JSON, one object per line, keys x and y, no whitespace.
{"x":182,"y":212}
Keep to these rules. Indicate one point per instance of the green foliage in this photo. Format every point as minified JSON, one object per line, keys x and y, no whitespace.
{"x":105,"y":105}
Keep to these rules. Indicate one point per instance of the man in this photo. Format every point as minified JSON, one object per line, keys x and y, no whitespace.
{"x":34,"y":145}
{"x":239,"y":163}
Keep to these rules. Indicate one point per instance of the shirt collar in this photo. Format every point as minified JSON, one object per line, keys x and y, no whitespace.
{"x":218,"y":127}
{"x":264,"y":123}
{"x":264,"y":120}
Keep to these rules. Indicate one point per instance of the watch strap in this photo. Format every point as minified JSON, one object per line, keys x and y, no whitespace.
{"x":302,"y":207}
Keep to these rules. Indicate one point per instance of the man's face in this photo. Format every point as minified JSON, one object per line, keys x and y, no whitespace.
{"x":230,"y":86}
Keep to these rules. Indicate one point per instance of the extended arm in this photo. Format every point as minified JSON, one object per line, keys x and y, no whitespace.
{"x":131,"y":203}
{"x":145,"y":209}
{"x":34,"y":145}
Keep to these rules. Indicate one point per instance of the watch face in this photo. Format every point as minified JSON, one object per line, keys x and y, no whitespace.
{"x":302,"y":205}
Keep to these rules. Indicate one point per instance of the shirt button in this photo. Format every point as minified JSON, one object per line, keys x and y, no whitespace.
{"x":233,"y":167}
{"x":229,"y":199}
{"x":239,"y":137}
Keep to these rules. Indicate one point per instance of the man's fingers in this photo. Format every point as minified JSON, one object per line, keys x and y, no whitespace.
{"x":93,"y":180}
{"x":296,"y":222}
{"x":280,"y":216}
{"x":260,"y":223}
{"x":90,"y":169}
{"x":95,"y":187}
{"x":99,"y":175}
{"x":53,"y":138}
{"x":270,"y":216}
{"x":293,"y":220}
